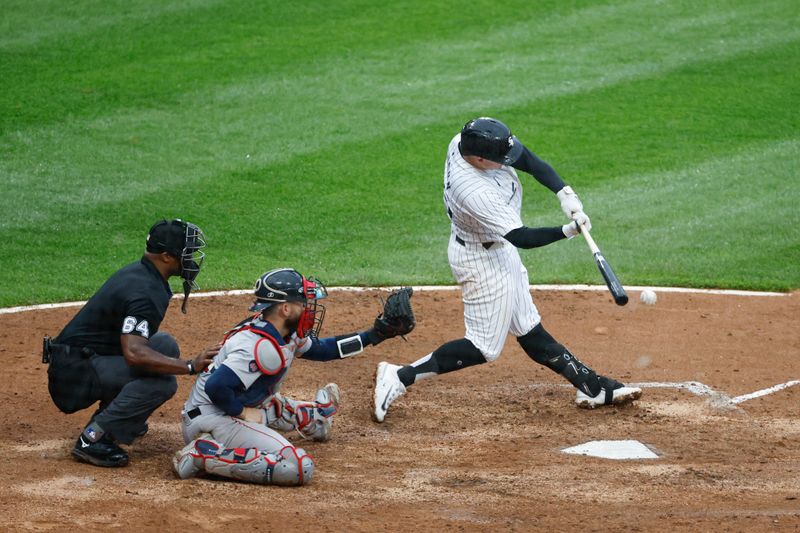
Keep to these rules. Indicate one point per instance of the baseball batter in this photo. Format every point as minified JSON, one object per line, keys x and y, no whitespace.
{"x":483,"y":199}
{"x":234,"y":415}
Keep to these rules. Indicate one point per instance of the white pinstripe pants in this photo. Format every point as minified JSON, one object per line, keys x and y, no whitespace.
{"x":496,"y":294}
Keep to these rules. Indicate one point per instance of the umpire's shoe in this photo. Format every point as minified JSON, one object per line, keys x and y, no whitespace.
{"x":104,"y":452}
{"x":612,"y":393}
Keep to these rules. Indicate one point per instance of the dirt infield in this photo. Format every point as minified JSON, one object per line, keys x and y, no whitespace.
{"x":474,"y":450}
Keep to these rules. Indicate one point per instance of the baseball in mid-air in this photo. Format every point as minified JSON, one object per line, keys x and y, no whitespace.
{"x":648,"y":297}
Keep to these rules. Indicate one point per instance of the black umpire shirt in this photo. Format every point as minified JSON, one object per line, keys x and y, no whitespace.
{"x":133,"y":301}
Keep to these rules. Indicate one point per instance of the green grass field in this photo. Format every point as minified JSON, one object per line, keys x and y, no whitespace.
{"x":312,"y":134}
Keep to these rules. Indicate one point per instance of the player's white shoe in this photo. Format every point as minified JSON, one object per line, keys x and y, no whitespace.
{"x":612,"y":393}
{"x":388,"y":388}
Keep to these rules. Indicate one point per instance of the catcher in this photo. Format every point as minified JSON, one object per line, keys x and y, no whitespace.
{"x":235,"y":412}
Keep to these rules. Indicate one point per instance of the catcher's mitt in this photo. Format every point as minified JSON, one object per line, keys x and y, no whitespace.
{"x":397,"y":317}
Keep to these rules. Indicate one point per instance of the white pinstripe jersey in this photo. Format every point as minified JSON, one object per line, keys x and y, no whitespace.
{"x":483,"y":205}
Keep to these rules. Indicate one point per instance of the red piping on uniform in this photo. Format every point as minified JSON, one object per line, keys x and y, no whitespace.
{"x":254,"y":427}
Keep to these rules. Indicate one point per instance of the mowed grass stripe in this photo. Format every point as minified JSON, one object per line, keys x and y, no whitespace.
{"x":128,"y":56}
{"x":28,"y":24}
{"x":215,"y":132}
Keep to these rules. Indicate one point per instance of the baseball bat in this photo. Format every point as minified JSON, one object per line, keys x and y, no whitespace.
{"x":612,"y":281}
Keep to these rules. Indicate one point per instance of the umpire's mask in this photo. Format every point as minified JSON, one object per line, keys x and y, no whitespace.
{"x":184,"y":241}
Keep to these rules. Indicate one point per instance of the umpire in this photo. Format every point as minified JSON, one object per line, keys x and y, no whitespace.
{"x":112,"y":351}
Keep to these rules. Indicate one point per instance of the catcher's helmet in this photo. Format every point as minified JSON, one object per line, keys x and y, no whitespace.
{"x":490,"y":139}
{"x":288,"y":285}
{"x":279,"y":285}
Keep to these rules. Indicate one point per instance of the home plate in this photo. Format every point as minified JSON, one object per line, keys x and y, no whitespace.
{"x":613,"y":449}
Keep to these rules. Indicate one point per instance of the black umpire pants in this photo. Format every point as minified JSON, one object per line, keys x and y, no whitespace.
{"x":129,"y":396}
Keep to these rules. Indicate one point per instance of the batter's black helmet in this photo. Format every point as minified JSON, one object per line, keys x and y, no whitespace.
{"x":490,"y":139}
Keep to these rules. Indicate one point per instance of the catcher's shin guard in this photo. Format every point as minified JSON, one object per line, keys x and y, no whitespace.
{"x":545,"y":350}
{"x":291,"y":467}
{"x":312,"y":419}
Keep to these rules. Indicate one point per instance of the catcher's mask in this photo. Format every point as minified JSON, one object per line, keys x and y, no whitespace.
{"x":490,"y":139}
{"x":288,"y":285}
{"x":184,"y":241}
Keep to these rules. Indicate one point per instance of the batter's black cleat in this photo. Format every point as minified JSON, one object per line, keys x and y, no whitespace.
{"x":101,"y":453}
{"x":612,"y":393}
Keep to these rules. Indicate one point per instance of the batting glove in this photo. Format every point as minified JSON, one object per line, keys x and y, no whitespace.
{"x":571,"y":229}
{"x":570,"y":203}
{"x":583,"y":220}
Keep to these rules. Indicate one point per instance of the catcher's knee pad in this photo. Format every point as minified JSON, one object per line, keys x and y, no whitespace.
{"x":190,"y":460}
{"x":545,"y":350}
{"x":312,"y":419}
{"x":294,"y":467}
{"x":290,"y":467}
{"x":326,"y":404}
{"x":277,"y":416}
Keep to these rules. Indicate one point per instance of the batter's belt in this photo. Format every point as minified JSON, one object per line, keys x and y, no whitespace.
{"x":486,"y":245}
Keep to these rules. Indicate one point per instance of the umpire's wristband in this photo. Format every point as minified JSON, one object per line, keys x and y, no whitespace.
{"x":190,"y":364}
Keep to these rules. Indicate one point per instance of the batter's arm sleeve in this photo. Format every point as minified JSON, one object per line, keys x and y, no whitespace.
{"x":221,"y":388}
{"x":544,"y":173}
{"x":331,"y":348}
{"x":525,"y":237}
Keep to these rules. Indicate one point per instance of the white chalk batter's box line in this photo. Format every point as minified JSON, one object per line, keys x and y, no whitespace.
{"x":590,"y":288}
{"x":701,"y":389}
{"x":719,"y":399}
